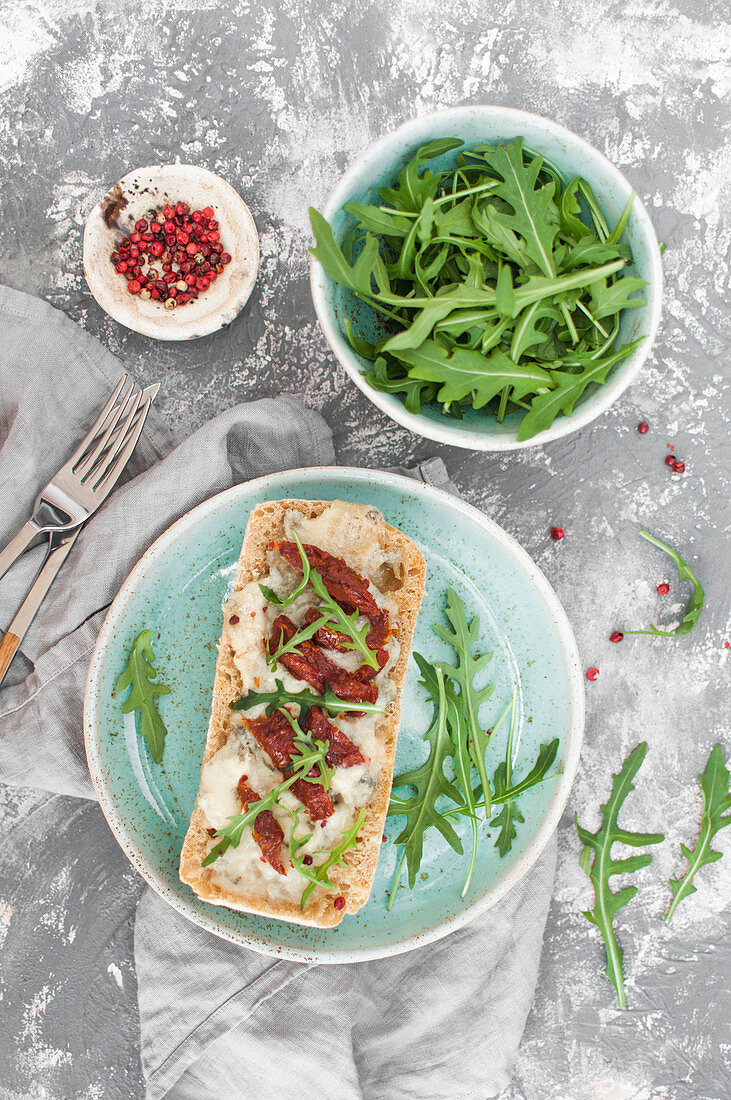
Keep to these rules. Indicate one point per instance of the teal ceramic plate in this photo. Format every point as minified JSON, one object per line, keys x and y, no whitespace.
{"x":177,"y":589}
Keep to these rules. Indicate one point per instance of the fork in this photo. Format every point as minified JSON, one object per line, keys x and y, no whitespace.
{"x":85,"y":481}
{"x":70,"y":497}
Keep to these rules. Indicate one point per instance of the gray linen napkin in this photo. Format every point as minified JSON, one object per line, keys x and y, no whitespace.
{"x":440,"y":1023}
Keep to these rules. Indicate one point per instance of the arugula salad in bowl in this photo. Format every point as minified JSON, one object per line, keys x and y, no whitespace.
{"x":487,"y":278}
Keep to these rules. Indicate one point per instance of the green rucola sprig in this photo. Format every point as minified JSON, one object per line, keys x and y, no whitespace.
{"x":141,"y":676}
{"x":597,"y":862}
{"x":695,"y":603}
{"x":716,"y":801}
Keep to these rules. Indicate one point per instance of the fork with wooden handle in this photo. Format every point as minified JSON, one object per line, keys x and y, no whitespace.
{"x":72,"y":496}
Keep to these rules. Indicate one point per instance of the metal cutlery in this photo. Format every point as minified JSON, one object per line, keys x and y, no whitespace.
{"x":85,"y":481}
{"x":72,"y":496}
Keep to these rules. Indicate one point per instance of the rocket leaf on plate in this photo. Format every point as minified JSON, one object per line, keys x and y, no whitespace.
{"x":429,"y":783}
{"x":459,"y":745}
{"x":317,"y":873}
{"x":141,"y":676}
{"x":330,"y":611}
{"x":506,"y":790}
{"x":464,"y":636}
{"x":305,"y":699}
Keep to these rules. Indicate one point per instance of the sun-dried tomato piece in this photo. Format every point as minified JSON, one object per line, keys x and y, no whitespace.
{"x":366,"y":673}
{"x":309,"y":664}
{"x":275,"y":735}
{"x":341,"y":753}
{"x":330,"y":638}
{"x":327,"y":636}
{"x":313,"y":666}
{"x":280,"y":747}
{"x":267,"y":831}
{"x":379,"y":630}
{"x":352,"y":690}
{"x":342,"y":582}
{"x":314,"y":798}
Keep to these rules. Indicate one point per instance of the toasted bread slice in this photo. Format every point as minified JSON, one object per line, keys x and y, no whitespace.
{"x":395,"y":568}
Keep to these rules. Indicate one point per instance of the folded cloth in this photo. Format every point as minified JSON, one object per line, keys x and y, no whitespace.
{"x":440,"y":1023}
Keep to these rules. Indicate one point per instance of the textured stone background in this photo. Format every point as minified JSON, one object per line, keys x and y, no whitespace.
{"x":278,"y":97}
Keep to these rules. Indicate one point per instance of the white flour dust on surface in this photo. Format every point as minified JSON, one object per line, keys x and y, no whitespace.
{"x":33,"y":1053}
{"x":6,"y":915}
{"x":114,"y":971}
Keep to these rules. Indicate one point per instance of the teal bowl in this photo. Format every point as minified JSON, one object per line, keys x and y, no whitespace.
{"x":177,"y":589}
{"x":378,"y":167}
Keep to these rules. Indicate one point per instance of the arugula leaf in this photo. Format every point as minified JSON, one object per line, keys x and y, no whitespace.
{"x":596,"y":861}
{"x":463,"y":636}
{"x":621,"y":225}
{"x":502,"y":780}
{"x":591,"y":251}
{"x":378,"y":220}
{"x":499,"y":235}
{"x":330,"y":255}
{"x":305,"y":700}
{"x":569,"y":388}
{"x":535,"y":215}
{"x":456,"y":221}
{"x":346,"y":623}
{"x":430,"y":678}
{"x":470,"y":374}
{"x":303,"y":634}
{"x":308,"y":754}
{"x":438,"y":309}
{"x":716,"y":800}
{"x":318,"y":873}
{"x":430,"y":784}
{"x":570,"y":209}
{"x":304,"y":743}
{"x":230,"y":836}
{"x":331,"y":609}
{"x":141,"y":676}
{"x":455,"y":733}
{"x":463,"y":773}
{"x":606,"y":299}
{"x":526,"y":333}
{"x":695,"y":603}
{"x":390,"y":381}
{"x":506,"y":794}
{"x":600,"y":226}
{"x":413,"y":190}
{"x":546,"y":756}
{"x":357,"y":343}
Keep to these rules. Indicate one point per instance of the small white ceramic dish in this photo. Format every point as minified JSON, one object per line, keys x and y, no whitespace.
{"x":129,"y":200}
{"x":379,"y":165}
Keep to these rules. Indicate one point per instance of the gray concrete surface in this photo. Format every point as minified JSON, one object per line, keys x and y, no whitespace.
{"x":279,"y":97}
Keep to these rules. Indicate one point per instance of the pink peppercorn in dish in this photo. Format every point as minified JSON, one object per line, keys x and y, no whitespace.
{"x":171,"y":251}
{"x":172,"y":255}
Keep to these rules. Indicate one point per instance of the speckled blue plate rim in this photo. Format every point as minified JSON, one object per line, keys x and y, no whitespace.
{"x":574,"y":735}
